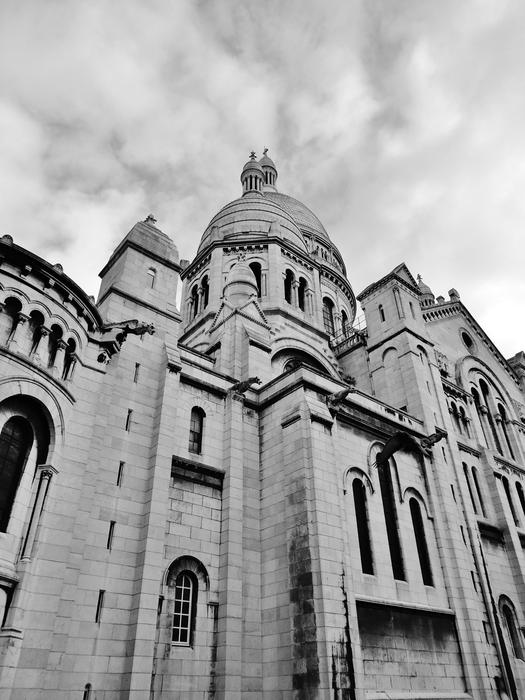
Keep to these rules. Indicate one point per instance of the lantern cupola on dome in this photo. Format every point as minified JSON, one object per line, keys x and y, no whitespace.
{"x":270,"y":172}
{"x":252,"y":176}
{"x":427,"y":295}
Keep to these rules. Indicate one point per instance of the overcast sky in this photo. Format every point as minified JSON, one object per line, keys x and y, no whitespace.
{"x":401,"y":123}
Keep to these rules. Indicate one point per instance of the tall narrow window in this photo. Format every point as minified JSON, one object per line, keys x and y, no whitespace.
{"x":120,"y":473}
{"x":363,"y":530}
{"x":478,"y":491}
{"x":185,"y":608}
{"x":521,"y":496}
{"x":129,"y":416}
{"x":288,"y":283}
{"x":509,"y":499}
{"x":464,"y":421}
{"x":512,"y":630}
{"x":69,"y":358}
{"x":111,"y":533}
{"x":9,"y":318}
{"x":477,"y":404}
{"x":345,"y":323}
{"x":136,"y":373}
{"x":255,"y":267}
{"x":100,"y":605}
{"x":505,"y":429}
{"x":485,"y":393}
{"x":469,"y":486}
{"x":421,"y":542}
{"x":36,"y":321}
{"x":196,"y":430}
{"x":328,"y":316}
{"x":194,"y":304}
{"x":87,"y":692}
{"x":151,"y":277}
{"x":205,"y":286}
{"x":301,"y":293}
{"x":390,"y":512}
{"x":16,"y":439}
{"x":54,"y":337}
{"x":381,"y":313}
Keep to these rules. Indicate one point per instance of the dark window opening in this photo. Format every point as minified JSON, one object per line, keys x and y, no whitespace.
{"x":255,"y":267}
{"x":196,"y":430}
{"x":389,"y":509}
{"x":152,"y":275}
{"x":288,"y":283}
{"x":363,"y":529}
{"x":69,"y":358}
{"x":328,"y":316}
{"x":100,"y":605}
{"x":129,"y":416}
{"x":421,"y":542}
{"x":16,"y":440}
{"x":512,"y":630}
{"x":345,"y":323}
{"x":469,"y":486}
{"x":485,"y":392}
{"x":36,"y":321}
{"x":136,"y":373}
{"x":509,"y":499}
{"x":194,"y":304}
{"x":111,"y":532}
{"x":478,"y":491}
{"x":504,"y":428}
{"x":54,"y":337}
{"x":381,"y":313}
{"x":205,"y":286}
{"x":120,"y":473}
{"x":521,"y":496}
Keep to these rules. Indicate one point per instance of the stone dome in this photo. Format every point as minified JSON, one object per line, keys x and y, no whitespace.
{"x":253,"y":214}
{"x":305,"y":218}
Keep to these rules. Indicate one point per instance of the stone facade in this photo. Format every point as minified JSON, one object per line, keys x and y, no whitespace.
{"x":252,"y":496}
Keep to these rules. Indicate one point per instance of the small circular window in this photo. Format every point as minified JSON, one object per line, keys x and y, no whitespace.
{"x":468,"y":342}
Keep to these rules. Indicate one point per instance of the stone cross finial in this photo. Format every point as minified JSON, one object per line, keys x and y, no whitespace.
{"x":419,"y":278}
{"x":252,"y":155}
{"x":150,"y":219}
{"x":265,"y":151}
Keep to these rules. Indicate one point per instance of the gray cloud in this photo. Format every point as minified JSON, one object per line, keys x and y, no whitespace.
{"x":399,"y":123}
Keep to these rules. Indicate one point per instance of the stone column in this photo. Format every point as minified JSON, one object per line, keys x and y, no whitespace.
{"x":58,"y":362}
{"x":295,"y":296}
{"x":13,"y":342}
{"x":44,"y":474}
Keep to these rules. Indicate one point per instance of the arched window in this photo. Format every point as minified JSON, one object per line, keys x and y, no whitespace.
{"x":87,"y":692}
{"x":463,"y":420}
{"x":390,"y":512}
{"x":186,"y":590}
{"x":69,"y":358}
{"x":255,"y":267}
{"x":469,"y":486}
{"x":328,"y":316}
{"x":288,"y":283}
{"x":455,"y":416}
{"x":151,"y":278}
{"x":16,"y":439}
{"x":421,"y":542}
{"x":36,"y":321}
{"x":9,"y":317}
{"x":205,"y":286}
{"x":54,"y":337}
{"x":504,"y":428}
{"x":196,"y":430}
{"x":381,"y":313}
{"x":301,"y":293}
{"x":478,"y":491}
{"x":477,"y":404}
{"x":485,"y":393}
{"x":521,"y":496}
{"x":509,"y":499}
{"x":345,"y":324}
{"x":509,"y":618}
{"x":194,"y":303}
{"x":363,"y":530}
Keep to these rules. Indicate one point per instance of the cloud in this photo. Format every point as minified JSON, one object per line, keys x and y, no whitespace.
{"x":399,"y":124}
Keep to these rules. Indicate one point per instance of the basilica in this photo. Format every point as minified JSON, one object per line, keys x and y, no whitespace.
{"x":246,"y":495}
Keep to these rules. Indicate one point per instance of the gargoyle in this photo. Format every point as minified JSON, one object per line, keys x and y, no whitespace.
{"x":242,"y":387}
{"x":427,"y":442}
{"x":333,"y":401}
{"x":130,"y":327}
